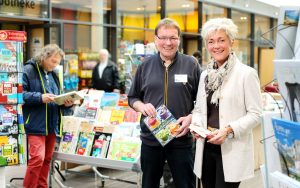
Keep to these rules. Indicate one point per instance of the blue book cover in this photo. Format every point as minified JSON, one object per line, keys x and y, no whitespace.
{"x":287,"y":135}
{"x":110,"y":99}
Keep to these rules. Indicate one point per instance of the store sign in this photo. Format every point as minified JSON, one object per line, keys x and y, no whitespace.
{"x":13,"y":35}
{"x":18,"y":3}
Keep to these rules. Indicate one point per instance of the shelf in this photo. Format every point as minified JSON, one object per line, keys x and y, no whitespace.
{"x":100,"y":162}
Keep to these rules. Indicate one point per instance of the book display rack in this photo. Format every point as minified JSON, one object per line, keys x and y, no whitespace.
{"x":101,"y":133}
{"x":12,"y":140}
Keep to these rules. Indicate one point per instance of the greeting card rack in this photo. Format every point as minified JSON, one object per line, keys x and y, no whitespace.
{"x":12,"y":140}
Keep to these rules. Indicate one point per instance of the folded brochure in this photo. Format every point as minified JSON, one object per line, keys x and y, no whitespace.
{"x":200,"y":130}
{"x":73,"y":95}
{"x":163,"y":126}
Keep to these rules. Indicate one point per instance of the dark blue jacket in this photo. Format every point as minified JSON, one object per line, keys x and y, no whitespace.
{"x":39,"y":117}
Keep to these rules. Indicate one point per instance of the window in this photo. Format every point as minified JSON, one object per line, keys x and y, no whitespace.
{"x":185,"y":12}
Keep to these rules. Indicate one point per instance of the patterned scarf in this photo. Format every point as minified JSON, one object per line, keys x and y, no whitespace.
{"x":215,"y":77}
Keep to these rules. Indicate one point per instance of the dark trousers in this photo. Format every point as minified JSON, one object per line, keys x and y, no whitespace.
{"x":180,"y":161}
{"x":212,"y":169}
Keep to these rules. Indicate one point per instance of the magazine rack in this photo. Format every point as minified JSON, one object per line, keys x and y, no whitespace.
{"x":272,"y":162}
{"x":11,"y":69}
{"x":98,"y":162}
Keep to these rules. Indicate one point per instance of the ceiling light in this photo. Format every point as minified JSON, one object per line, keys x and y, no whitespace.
{"x":185,"y":5}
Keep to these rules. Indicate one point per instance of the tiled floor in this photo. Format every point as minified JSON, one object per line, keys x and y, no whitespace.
{"x":87,"y":180}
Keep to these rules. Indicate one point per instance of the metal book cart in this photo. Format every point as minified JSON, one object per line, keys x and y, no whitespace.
{"x":97,"y":162}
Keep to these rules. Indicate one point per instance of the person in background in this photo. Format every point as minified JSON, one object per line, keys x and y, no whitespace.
{"x":42,"y":116}
{"x":198,"y":56}
{"x":105,"y":74}
{"x":228,"y":103}
{"x":168,"y":78}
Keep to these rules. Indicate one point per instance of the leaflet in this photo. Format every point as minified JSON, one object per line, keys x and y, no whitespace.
{"x":164,"y":126}
{"x":204,"y":133}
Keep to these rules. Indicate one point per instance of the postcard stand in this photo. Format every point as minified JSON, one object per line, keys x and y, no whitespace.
{"x":98,"y":162}
{"x":11,"y":127}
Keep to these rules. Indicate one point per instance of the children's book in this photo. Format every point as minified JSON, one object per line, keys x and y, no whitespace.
{"x":287,"y":135}
{"x":117,"y":116}
{"x":124,"y":148}
{"x":101,"y":144}
{"x":163,"y":126}
{"x":73,"y":95}
{"x":132,"y":116}
{"x":85,"y":143}
{"x":86,"y":138}
{"x":110,"y":99}
{"x":70,"y":135}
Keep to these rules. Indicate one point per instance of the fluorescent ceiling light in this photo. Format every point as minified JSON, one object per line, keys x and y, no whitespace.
{"x":279,"y":3}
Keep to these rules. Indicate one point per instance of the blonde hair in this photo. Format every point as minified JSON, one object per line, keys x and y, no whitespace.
{"x":217,"y":24}
{"x":47,"y":51}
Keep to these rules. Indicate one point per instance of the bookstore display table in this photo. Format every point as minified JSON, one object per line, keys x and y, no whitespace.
{"x":98,"y":162}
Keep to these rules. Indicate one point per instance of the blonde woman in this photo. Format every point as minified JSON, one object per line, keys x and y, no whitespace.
{"x":228,"y":103}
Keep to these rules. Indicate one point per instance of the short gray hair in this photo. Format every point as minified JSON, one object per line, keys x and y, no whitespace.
{"x":217,"y":24}
{"x":104,"y":51}
{"x":47,"y":51}
{"x":169,"y":23}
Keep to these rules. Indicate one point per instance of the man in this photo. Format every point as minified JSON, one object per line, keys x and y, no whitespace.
{"x":168,"y":78}
{"x":42,"y":116}
{"x":105,"y":74}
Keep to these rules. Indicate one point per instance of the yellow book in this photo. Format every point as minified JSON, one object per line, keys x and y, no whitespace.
{"x":117,"y":116}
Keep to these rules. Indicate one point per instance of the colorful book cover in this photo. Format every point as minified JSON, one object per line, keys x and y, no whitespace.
{"x":91,"y":113}
{"x":110,"y":99}
{"x":123,"y":100}
{"x":9,"y":150}
{"x":132,"y":116}
{"x":163,"y":126}
{"x":85,"y":143}
{"x":69,"y":139}
{"x":101,"y":144}
{"x":287,"y":135}
{"x":8,"y":56}
{"x":10,"y":88}
{"x":117,"y":116}
{"x":124,"y":149}
{"x":8,"y":119}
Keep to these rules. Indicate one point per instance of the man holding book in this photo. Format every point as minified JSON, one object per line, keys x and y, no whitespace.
{"x":42,"y":116}
{"x":168,"y":78}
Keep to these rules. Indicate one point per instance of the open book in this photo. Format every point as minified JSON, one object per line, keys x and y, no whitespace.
{"x":73,"y":95}
{"x":163,"y":126}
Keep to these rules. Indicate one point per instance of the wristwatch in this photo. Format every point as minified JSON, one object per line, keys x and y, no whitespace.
{"x":230,"y":134}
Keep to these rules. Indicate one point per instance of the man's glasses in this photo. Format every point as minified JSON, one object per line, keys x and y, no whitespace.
{"x":165,"y":39}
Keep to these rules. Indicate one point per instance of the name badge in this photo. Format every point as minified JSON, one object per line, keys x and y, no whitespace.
{"x":180,"y":78}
